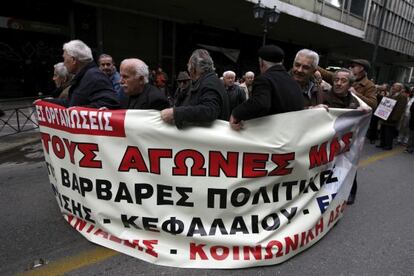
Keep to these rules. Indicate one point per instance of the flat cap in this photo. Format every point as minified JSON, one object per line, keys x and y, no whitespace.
{"x":363,"y":62}
{"x":271,"y":53}
{"x":183,"y":75}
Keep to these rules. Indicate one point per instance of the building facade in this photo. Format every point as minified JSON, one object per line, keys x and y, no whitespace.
{"x":164,"y":33}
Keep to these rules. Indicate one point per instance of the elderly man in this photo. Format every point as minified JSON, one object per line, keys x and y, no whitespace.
{"x":141,"y":94}
{"x":340,"y":96}
{"x":90,"y":87}
{"x":247,"y":85}
{"x":362,"y":87}
{"x":235,"y":93}
{"x":303,"y":70}
{"x":183,"y":89}
{"x":274,"y":91}
{"x":207,"y":100}
{"x":389,"y":127}
{"x":107,"y":65}
{"x":62,"y":79}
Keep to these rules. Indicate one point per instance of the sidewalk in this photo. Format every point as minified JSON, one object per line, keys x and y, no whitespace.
{"x":16,"y":141}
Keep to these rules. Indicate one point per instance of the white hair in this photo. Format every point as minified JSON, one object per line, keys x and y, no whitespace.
{"x":249,"y":73}
{"x":201,"y":61}
{"x":61,"y":70}
{"x":311,"y":54}
{"x":141,"y":69}
{"x":79,"y":50}
{"x":229,"y":73}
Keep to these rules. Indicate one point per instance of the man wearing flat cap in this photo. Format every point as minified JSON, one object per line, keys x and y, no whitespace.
{"x":184,"y":82}
{"x":362,"y":87}
{"x":274,"y":91}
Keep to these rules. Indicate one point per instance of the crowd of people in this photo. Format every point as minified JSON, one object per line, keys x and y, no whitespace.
{"x":202,"y":96}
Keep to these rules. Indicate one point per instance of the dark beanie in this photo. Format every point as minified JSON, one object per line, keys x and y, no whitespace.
{"x":271,"y":53}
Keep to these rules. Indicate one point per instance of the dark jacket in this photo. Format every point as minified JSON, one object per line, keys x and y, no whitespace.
{"x":236,"y":96}
{"x":206,"y":102}
{"x":273,"y":92}
{"x":333,"y":100}
{"x":150,"y":98}
{"x":90,"y":88}
{"x":411,"y":123}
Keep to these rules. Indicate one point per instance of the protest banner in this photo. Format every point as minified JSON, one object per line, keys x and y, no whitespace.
{"x":202,"y":197}
{"x":385,"y":108}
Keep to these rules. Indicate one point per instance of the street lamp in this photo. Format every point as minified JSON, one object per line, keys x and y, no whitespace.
{"x":269,"y":16}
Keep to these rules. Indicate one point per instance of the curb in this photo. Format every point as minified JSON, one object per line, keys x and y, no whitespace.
{"x":18,"y":144}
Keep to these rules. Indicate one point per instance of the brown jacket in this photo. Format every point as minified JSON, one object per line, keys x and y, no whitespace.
{"x":398,"y":110}
{"x":364,"y":87}
{"x":316,"y":96}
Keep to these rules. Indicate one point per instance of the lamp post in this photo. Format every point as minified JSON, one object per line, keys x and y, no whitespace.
{"x":268,"y":15}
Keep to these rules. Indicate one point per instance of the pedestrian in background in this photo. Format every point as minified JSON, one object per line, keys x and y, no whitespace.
{"x":107,"y":65}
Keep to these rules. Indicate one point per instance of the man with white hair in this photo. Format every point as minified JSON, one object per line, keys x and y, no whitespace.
{"x":207,"y":100}
{"x":247,"y":85}
{"x":141,"y":94}
{"x":303,"y":70}
{"x":235,"y":93}
{"x":89,"y":87}
{"x":62,"y":79}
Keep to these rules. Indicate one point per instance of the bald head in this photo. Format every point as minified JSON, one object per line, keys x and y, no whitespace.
{"x":134,"y":75}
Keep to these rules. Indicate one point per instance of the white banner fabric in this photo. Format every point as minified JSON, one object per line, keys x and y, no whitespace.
{"x":202,"y":197}
{"x":385,"y":108}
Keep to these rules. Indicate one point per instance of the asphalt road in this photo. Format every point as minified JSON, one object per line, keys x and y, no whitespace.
{"x":375,"y":236}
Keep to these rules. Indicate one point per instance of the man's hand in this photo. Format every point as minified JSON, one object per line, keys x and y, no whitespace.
{"x":235,"y":124}
{"x":364,"y":109}
{"x":167,"y":115}
{"x":103,"y":108}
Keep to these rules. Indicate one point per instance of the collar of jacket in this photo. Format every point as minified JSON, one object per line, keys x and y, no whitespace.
{"x":196,"y":84}
{"x":363,"y":82}
{"x":277,"y":67}
{"x":82,"y":71}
